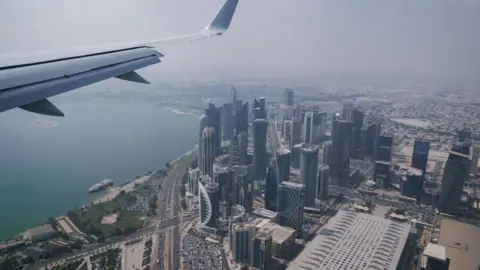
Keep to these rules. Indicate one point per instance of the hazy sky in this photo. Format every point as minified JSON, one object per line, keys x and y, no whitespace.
{"x":272,"y":37}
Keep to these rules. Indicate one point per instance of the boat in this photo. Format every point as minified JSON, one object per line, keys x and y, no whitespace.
{"x":101,"y":185}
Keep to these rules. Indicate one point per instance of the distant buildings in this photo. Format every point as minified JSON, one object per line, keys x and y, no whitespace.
{"x":227,"y":121}
{"x":296,"y":133}
{"x":288,"y":97}
{"x":340,"y":159}
{"x":259,"y":127}
{"x":383,"y":149}
{"x":290,"y":203}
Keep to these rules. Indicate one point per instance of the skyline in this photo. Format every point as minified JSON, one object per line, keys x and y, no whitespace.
{"x":408,"y":38}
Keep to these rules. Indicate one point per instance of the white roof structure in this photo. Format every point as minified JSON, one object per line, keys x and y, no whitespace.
{"x":354,"y":241}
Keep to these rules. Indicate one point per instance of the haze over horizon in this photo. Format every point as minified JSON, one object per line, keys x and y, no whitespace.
{"x":432,"y":38}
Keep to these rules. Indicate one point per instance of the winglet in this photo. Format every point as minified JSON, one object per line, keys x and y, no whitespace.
{"x":43,"y":106}
{"x":222,"y":21}
{"x":132,"y":76}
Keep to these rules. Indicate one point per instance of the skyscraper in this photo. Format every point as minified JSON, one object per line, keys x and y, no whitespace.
{"x":241,"y":119}
{"x":227,"y":121}
{"x":308,"y":173}
{"x":203,"y":123}
{"x":290,"y":203}
{"x":326,"y":152}
{"x":454,"y":176}
{"x":296,"y":137}
{"x":208,"y":209}
{"x":214,"y":120}
{"x":259,"y":128}
{"x":241,"y":242}
{"x":322,"y":182}
{"x":288,"y":97}
{"x":475,"y":157}
{"x":420,"y":155}
{"x":383,"y":151}
{"x":271,"y":186}
{"x":243,"y":186}
{"x":223,"y":176}
{"x":373,"y":131}
{"x":263,"y":108}
{"x":208,"y":150}
{"x":242,"y":148}
{"x":193,"y":178}
{"x":307,"y":127}
{"x":283,"y":164}
{"x":261,"y":251}
{"x":381,"y":173}
{"x":357,"y":120}
{"x":347,"y":112}
{"x":340,"y":161}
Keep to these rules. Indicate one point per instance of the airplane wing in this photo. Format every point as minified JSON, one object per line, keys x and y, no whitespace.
{"x":26,"y":81}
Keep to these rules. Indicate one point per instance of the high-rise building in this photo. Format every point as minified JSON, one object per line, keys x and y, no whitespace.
{"x":283,"y":164}
{"x":307,"y":127}
{"x":357,"y":120}
{"x":271,"y":186}
{"x":223,"y":176}
{"x":412,"y":184}
{"x":347,"y":112}
{"x":313,"y":127}
{"x":243,"y":148}
{"x":241,"y":119}
{"x":326,"y":152}
{"x":383,"y":151}
{"x":193,"y":178}
{"x":420,"y":155}
{"x":208,"y":209}
{"x":208,"y":150}
{"x":259,"y":128}
{"x":261,"y":251}
{"x":454,"y":176}
{"x":290,"y":203}
{"x":381,"y":173}
{"x":287,"y":129}
{"x":241,"y":242}
{"x":243,"y":186}
{"x":296,"y":156}
{"x":308,"y":173}
{"x":373,"y":131}
{"x":340,"y":160}
{"x":214,"y":120}
{"x":322,"y":182}
{"x":263,"y":108}
{"x":288,"y":97}
{"x":296,"y":137}
{"x":475,"y":150}
{"x":227,"y":121}
{"x":203,"y":123}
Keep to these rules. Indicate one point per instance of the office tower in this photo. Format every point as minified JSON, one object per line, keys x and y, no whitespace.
{"x":234,"y":151}
{"x":340,"y":161}
{"x":261,"y":251}
{"x":203,"y":123}
{"x":227,"y":121}
{"x":214,"y":120}
{"x":296,"y":156}
{"x":308,"y":173}
{"x":322,"y":182}
{"x":288,"y":97}
{"x":208,"y":209}
{"x":357,"y":120}
{"x":243,"y":186}
{"x":384,"y":145}
{"x":263,"y":108}
{"x":347,"y":112}
{"x":283,"y":164}
{"x":412,"y":184}
{"x":193,"y":178}
{"x":296,"y":137}
{"x":326,"y":153}
{"x":233,"y":94}
{"x":208,"y":150}
{"x":381,"y":173}
{"x":464,"y":135}
{"x":241,"y":242}
{"x":373,"y":131}
{"x":223,"y":176}
{"x":420,"y":155}
{"x":241,"y":119}
{"x":287,"y":130}
{"x":290,"y":203}
{"x":243,"y":148}
{"x":313,"y":127}
{"x":475,"y":150}
{"x":454,"y":176}
{"x":307,"y":127}
{"x":271,"y":187}
{"x":259,"y":128}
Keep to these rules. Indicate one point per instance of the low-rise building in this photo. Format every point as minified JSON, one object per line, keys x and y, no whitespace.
{"x":39,"y":233}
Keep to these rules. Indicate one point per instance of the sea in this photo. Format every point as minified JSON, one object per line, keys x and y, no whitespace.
{"x":48,"y":163}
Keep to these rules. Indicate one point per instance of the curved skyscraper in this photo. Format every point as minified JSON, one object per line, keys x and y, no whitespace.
{"x":308,"y":173}
{"x":209,"y":214}
{"x":208,"y":150}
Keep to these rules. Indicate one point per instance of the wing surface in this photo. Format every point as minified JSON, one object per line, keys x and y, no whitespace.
{"x":26,"y":81}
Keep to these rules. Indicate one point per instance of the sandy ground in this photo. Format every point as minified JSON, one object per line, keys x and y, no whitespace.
{"x":110,"y":219}
{"x":133,"y":256}
{"x":114,"y":191}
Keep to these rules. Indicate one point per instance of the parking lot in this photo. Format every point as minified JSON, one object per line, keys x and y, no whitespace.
{"x":198,"y":254}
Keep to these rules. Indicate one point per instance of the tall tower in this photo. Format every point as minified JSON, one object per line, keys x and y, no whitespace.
{"x":420,"y":155}
{"x":214,"y":120}
{"x":259,"y":128}
{"x":224,"y":177}
{"x":227,"y":121}
{"x":203,"y":123}
{"x":261,"y":251}
{"x":288,"y":97}
{"x":209,"y":208}
{"x":308,"y":173}
{"x":322,"y":182}
{"x":208,"y":150}
{"x":340,"y":161}
{"x":357,"y":120}
{"x":271,"y":186}
{"x":475,"y":150}
{"x":290,"y":203}
{"x":243,"y":186}
{"x":454,"y":176}
{"x":283,"y":164}
{"x":296,"y":137}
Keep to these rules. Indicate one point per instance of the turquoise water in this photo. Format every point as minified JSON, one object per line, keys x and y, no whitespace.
{"x":47,"y":164}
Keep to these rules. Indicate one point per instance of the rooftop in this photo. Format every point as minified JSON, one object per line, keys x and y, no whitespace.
{"x":435,"y":251}
{"x":262,"y":212}
{"x":462,"y":243}
{"x":41,"y":230}
{"x":279,"y":233}
{"x":355,"y":241}
{"x":292,"y":184}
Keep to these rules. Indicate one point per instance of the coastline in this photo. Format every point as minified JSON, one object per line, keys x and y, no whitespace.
{"x":113,"y":192}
